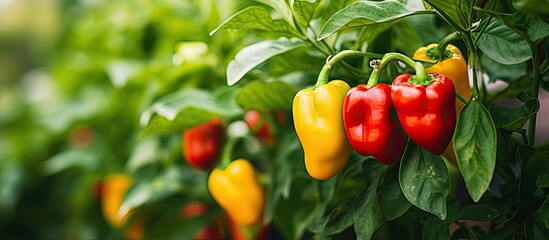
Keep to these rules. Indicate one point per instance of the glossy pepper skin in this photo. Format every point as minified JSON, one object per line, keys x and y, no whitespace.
{"x":427,"y":113}
{"x":455,"y":68}
{"x":238,"y":192}
{"x":371,"y":124}
{"x":319,"y":125}
{"x":202,"y":144}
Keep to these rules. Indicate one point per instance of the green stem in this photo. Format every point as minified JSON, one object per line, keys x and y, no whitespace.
{"x":379,"y":65}
{"x":461,"y":98}
{"x":324,"y":74}
{"x":439,"y":52}
{"x":473,"y":66}
{"x":226,"y":158}
{"x":535,"y":91}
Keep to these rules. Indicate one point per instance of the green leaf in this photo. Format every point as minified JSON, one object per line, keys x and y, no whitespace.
{"x":84,"y":159}
{"x":498,"y":71}
{"x":499,"y":234}
{"x":435,"y":229}
{"x":456,"y":12}
{"x":536,"y":7}
{"x":533,"y":162}
{"x":502,"y":44}
{"x":163,"y":185}
{"x":12,"y":177}
{"x":272,"y":96}
{"x":543,"y":181}
{"x":366,"y":214}
{"x":514,"y":119}
{"x":544,"y":212}
{"x":282,"y":7}
{"x":295,"y":214}
{"x":339,"y":219}
{"x":365,"y":13}
{"x":392,"y":200}
{"x":534,"y":227}
{"x":255,"y":18}
{"x":181,"y":110}
{"x":475,"y":146}
{"x":476,"y":212}
{"x":537,"y":29}
{"x":251,"y":56}
{"x":304,"y":11}
{"x":281,"y":181}
{"x":424,"y":180}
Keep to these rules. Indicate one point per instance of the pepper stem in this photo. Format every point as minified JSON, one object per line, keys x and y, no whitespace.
{"x":226,"y":157}
{"x":440,"y":52}
{"x":379,"y":65}
{"x":324,"y":74}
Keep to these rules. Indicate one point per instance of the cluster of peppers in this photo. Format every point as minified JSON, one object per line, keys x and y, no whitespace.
{"x":234,"y":184}
{"x":376,"y":119}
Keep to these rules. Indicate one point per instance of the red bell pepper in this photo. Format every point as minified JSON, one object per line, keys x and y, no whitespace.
{"x":202,"y":144}
{"x":261,"y":127}
{"x":426,"y":109}
{"x":371,"y":125}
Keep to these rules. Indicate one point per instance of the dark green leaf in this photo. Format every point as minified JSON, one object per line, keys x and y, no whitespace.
{"x":366,"y":215}
{"x":457,"y":12}
{"x":435,"y":229}
{"x":424,"y":180}
{"x":406,"y":38}
{"x":527,"y":176}
{"x":543,"y":181}
{"x":534,"y":227}
{"x":498,"y":71}
{"x":535,"y":7}
{"x":366,"y":13}
{"x":175,"y":112}
{"x":272,"y":96}
{"x":502,"y":44}
{"x":500,"y":234}
{"x":281,"y":181}
{"x":304,"y":11}
{"x":477,"y":212}
{"x":251,"y":56}
{"x":295,"y":214}
{"x":514,"y":119}
{"x":533,"y":163}
{"x":255,"y":18}
{"x":339,"y":219}
{"x":392,"y":200}
{"x":544,"y":212}
{"x":537,"y":29}
{"x":475,"y":145}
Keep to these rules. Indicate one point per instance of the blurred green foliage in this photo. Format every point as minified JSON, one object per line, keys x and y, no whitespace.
{"x":75,"y":77}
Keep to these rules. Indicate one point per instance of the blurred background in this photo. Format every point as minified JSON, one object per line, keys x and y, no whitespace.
{"x":75,"y":77}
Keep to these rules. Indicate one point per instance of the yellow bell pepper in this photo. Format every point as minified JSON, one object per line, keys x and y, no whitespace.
{"x":318,"y":121}
{"x":455,"y":68}
{"x":238,"y":192}
{"x":114,"y":189}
